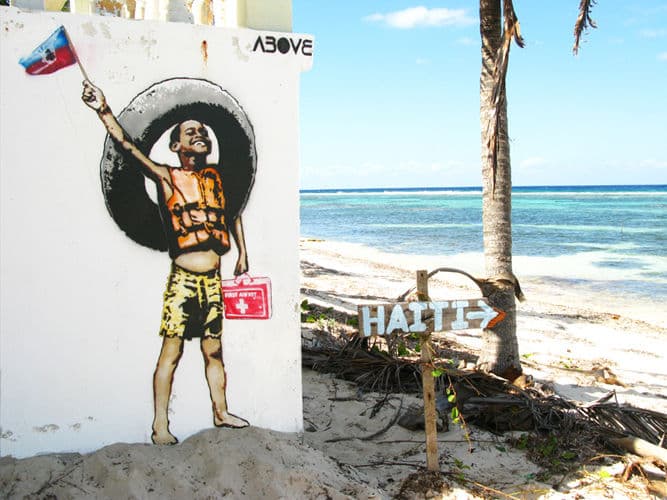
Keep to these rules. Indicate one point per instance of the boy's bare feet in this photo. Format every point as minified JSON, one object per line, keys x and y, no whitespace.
{"x":225,"y":419}
{"x":163,"y":437}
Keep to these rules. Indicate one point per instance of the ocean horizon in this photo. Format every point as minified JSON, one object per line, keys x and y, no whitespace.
{"x":595,"y":236}
{"x":636,"y":188}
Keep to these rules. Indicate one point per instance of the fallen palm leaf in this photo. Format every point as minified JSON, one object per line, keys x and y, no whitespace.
{"x":491,"y":402}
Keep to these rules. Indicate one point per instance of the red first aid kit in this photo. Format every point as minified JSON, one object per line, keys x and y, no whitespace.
{"x":246,"y":297}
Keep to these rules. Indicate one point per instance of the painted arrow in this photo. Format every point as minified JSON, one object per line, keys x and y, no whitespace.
{"x":490,"y":316}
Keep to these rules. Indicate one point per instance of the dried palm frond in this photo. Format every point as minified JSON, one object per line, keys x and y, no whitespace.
{"x":491,"y":402}
{"x":584,"y":21}
{"x":371,"y":370}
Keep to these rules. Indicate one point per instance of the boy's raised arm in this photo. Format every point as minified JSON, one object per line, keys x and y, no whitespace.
{"x":94,"y":99}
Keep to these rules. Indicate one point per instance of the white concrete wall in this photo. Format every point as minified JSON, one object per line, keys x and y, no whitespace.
{"x":273,"y":15}
{"x":80,"y":302}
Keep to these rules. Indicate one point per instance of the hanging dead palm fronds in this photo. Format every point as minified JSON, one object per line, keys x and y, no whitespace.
{"x":511,"y":31}
{"x":584,"y":21}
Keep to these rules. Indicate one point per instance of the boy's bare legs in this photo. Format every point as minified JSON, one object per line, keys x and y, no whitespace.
{"x":217,"y":382}
{"x":170,"y":355}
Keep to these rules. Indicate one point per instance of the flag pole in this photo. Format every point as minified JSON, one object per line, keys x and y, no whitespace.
{"x":76,"y":56}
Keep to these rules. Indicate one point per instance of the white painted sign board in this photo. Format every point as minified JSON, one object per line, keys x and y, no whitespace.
{"x":426,"y":317}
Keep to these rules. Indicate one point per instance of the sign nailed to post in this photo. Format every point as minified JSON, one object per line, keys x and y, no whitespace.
{"x":426,"y":317}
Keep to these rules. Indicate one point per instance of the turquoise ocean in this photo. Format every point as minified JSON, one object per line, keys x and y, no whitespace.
{"x":610,"y":236}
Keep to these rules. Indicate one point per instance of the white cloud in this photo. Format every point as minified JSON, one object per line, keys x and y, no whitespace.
{"x":662,"y":56}
{"x":420,"y":167}
{"x":468,"y":41}
{"x":323,"y":171}
{"x":421,"y":60}
{"x":448,"y":166}
{"x":414,"y":17}
{"x":371,"y":168}
{"x":652,"y":163}
{"x":652,"y":33}
{"x":532,"y":162}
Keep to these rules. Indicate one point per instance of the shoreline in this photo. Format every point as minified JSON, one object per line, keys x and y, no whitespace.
{"x":566,"y":337}
{"x":564,"y":281}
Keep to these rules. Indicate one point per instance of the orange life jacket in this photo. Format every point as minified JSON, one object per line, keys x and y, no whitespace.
{"x":196,"y":212}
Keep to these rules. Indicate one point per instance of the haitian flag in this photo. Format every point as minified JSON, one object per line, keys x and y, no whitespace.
{"x":55,"y":53}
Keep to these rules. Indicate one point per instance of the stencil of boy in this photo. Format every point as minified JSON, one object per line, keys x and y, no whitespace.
{"x":192,"y":205}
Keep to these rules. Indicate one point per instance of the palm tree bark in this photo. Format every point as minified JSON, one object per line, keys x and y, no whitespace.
{"x":500,"y":350}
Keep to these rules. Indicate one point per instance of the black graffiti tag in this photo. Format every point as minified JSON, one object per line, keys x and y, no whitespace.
{"x":268,"y":44}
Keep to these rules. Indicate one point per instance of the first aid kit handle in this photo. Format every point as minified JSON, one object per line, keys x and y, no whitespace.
{"x":244,"y":278}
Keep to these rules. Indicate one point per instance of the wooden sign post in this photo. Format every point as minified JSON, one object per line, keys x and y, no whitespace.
{"x":424,"y":316}
{"x":428,"y":384}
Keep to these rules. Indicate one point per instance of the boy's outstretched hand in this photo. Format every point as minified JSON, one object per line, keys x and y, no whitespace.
{"x":93,"y":97}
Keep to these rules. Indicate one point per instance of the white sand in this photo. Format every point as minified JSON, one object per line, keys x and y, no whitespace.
{"x":562,"y":335}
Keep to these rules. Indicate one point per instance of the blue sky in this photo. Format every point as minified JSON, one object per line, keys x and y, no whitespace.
{"x":392,"y":99}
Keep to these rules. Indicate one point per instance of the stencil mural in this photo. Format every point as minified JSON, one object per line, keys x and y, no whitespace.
{"x":197,"y":217}
{"x":161,"y":210}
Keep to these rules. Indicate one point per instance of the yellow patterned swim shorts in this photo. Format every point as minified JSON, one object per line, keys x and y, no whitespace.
{"x":192,"y":304}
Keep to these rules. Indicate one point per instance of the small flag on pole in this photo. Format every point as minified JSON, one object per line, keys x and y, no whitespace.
{"x":53,"y":54}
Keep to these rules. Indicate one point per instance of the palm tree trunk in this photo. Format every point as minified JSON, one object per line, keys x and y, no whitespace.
{"x":500,"y":351}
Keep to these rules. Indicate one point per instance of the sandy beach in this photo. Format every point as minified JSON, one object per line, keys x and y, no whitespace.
{"x":563,"y":331}
{"x":569,"y":339}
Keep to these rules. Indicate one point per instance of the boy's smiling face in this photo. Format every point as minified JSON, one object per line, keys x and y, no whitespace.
{"x":193,"y":139}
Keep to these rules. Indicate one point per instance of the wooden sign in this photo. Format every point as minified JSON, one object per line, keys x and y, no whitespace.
{"x":423,"y":318}
{"x":426,"y":317}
